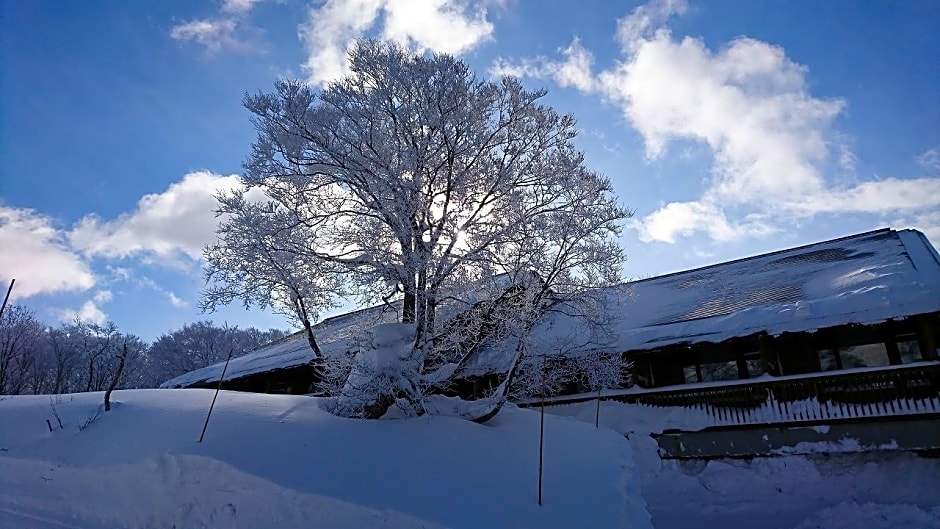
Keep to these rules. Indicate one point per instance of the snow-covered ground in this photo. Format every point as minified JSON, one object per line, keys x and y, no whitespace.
{"x":873,"y":490}
{"x":280,"y":461}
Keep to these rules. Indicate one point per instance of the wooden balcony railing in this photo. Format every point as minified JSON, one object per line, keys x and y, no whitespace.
{"x":853,"y":393}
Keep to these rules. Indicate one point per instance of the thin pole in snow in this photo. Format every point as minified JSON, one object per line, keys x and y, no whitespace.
{"x":542,"y":432}
{"x":217,"y":389}
{"x":541,"y":445}
{"x":597,"y":412}
{"x":7,"y":297}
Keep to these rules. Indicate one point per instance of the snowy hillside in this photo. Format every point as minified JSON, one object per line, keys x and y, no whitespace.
{"x":280,"y":461}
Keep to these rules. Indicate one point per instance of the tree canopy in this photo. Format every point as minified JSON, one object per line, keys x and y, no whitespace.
{"x":410,"y":178}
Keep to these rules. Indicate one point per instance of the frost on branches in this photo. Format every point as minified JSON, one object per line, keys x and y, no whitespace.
{"x":411,"y":179}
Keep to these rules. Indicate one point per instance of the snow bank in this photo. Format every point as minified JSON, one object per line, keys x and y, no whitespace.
{"x":279,"y":460}
{"x":884,"y":489}
{"x":851,"y":515}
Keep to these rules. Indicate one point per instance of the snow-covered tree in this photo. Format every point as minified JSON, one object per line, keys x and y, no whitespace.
{"x":21,"y":347}
{"x":412,"y":177}
{"x":200,"y":344}
{"x":261,"y":259}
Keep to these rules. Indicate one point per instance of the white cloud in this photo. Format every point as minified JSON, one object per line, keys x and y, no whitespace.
{"x":678,"y":219}
{"x":446,"y":26}
{"x":748,"y":103}
{"x":238,"y":7}
{"x":646,"y":19}
{"x":226,"y":30}
{"x":178,"y":221}
{"x":102,"y":296}
{"x":930,"y":160}
{"x":927,"y":222}
{"x":37,"y":254}
{"x":329,"y":32}
{"x":89,"y":312}
{"x":771,"y":140}
{"x":573,"y":71}
{"x":174,"y":300}
{"x":879,"y":196}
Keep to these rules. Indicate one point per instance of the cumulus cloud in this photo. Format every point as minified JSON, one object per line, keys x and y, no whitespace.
{"x":770,"y":139}
{"x":38,"y":255}
{"x":446,"y":26}
{"x":678,"y":219}
{"x":89,"y":312}
{"x":178,"y":221}
{"x":645,"y":20}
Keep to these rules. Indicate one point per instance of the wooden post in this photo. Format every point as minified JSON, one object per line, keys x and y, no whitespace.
{"x":7,"y":297}
{"x":217,"y":389}
{"x":597,"y":412}
{"x":542,"y":431}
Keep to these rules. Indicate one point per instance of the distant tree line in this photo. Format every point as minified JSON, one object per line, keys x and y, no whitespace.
{"x":78,"y":356}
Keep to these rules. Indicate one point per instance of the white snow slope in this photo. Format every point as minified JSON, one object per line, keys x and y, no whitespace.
{"x":280,"y":461}
{"x":871,"y":490}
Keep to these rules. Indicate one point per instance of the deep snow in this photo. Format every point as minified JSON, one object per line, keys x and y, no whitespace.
{"x":833,"y":490}
{"x":280,"y":461}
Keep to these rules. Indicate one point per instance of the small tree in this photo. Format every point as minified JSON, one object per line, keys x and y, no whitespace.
{"x":21,"y":344}
{"x":122,"y":360}
{"x":602,"y":370}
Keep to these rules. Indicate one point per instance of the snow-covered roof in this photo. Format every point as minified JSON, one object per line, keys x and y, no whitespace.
{"x":335,"y":336}
{"x":865,"y":278}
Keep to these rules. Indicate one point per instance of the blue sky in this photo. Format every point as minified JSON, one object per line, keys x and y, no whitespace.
{"x":732,"y":128}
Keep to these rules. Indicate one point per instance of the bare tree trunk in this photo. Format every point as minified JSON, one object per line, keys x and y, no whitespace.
{"x":421,"y":309}
{"x":91,"y":373}
{"x":305,"y":320}
{"x":117,"y":376}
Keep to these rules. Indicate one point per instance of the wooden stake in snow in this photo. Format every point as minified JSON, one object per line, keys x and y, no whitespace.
{"x":597,"y":412}
{"x":542,"y":432}
{"x":217,"y":389}
{"x":7,"y":297}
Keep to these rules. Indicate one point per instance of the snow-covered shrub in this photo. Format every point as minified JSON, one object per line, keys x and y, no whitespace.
{"x":384,"y":373}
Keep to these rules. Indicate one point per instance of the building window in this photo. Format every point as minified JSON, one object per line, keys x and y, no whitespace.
{"x":909,"y":348}
{"x":755,"y":367}
{"x":869,"y":355}
{"x":719,"y":371}
{"x":829,"y":360}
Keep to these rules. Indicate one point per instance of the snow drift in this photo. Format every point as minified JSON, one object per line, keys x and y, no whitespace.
{"x":279,"y":460}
